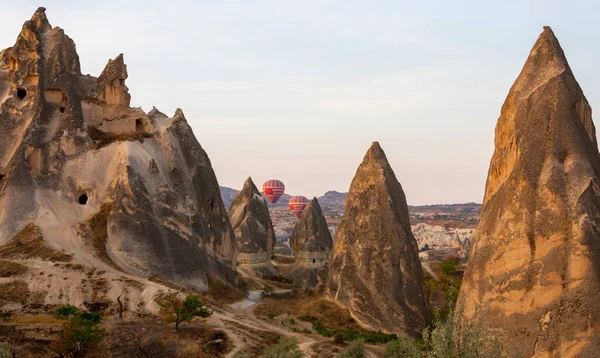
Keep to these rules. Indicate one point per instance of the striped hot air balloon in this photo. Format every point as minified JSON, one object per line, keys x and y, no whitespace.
{"x":273,"y":190}
{"x":297,"y":204}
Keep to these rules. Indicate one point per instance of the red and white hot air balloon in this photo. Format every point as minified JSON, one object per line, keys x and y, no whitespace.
{"x":297,"y":204}
{"x":273,"y":190}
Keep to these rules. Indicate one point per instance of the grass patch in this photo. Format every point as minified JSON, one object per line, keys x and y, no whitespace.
{"x":14,"y":291}
{"x":29,"y":243}
{"x":222,"y":292}
{"x":352,"y":334}
{"x":103,"y":139}
{"x":10,"y":269}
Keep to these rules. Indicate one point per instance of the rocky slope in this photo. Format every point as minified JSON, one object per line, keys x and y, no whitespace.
{"x":533,"y":274}
{"x":375,"y":270}
{"x":106,"y":184}
{"x":311,"y":244}
{"x":249,"y":216}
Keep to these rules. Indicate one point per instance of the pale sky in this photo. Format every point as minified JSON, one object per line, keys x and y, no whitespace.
{"x":298,"y":90}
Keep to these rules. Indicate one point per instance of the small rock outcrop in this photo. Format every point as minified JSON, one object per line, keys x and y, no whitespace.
{"x":533,"y":273}
{"x":311,"y":244}
{"x":117,"y":188}
{"x":249,"y":216}
{"x":374,"y":268}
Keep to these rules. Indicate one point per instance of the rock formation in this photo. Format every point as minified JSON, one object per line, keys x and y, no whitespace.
{"x":113,"y":186}
{"x":375,"y":270}
{"x":249,"y":216}
{"x":311,"y":244}
{"x":533,"y":272}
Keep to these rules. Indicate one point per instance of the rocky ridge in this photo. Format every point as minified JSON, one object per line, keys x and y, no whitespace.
{"x":533,"y":274}
{"x":374,"y":269}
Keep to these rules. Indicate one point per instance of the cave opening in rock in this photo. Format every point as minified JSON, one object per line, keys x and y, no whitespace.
{"x":83,"y":198}
{"x":61,"y":109}
{"x":314,"y":261}
{"x":1,"y":177}
{"x":21,"y":93}
{"x":138,"y":125}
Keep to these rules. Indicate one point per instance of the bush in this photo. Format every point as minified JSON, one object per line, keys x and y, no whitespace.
{"x":448,"y":266}
{"x":339,"y":339}
{"x":78,"y":337}
{"x":403,"y":347}
{"x":5,"y":350}
{"x":458,"y":337}
{"x":174,"y":309}
{"x":356,"y":349}
{"x":65,"y":312}
{"x":286,"y":348}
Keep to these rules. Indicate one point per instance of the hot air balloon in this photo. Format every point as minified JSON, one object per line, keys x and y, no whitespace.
{"x":273,"y":190}
{"x":297,"y":204}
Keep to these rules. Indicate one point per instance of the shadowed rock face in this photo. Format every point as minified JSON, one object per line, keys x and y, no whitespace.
{"x":311,"y":242}
{"x":70,"y":143}
{"x":375,"y":270}
{"x":249,"y":216}
{"x":534,"y":267}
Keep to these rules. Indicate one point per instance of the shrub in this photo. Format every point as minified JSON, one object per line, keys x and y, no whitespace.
{"x":175,"y":309}
{"x":286,"y":348}
{"x":78,"y":337}
{"x":339,"y":339}
{"x":448,"y":266}
{"x":65,"y":312}
{"x":5,"y":350}
{"x":352,"y":334}
{"x":356,"y":349}
{"x":403,"y":347}
{"x":458,"y":337}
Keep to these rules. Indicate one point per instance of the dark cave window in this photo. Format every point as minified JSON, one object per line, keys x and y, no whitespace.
{"x":314,"y":261}
{"x":83,"y":198}
{"x":62,"y":109}
{"x":138,"y":125}
{"x":1,"y":177}
{"x":21,"y":93}
{"x":212,"y":204}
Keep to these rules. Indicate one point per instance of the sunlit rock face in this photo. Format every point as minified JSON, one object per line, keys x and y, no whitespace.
{"x":311,"y":244}
{"x":532,"y":275}
{"x":375,"y":270}
{"x":249,"y":216}
{"x":71,"y":145}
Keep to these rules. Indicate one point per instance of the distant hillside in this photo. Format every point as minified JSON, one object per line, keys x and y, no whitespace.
{"x":332,"y":199}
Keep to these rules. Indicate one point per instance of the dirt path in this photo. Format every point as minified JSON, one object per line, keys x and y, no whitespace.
{"x":250,"y":333}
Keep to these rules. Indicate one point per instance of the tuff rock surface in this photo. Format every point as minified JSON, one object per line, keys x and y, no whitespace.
{"x":533,"y":272}
{"x":374,"y":269}
{"x":251,"y":222}
{"x":73,"y":152}
{"x":311,"y":243}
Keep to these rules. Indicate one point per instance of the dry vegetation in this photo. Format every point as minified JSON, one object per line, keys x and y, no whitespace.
{"x":326,"y":349}
{"x":220,"y":293}
{"x":255,"y":340}
{"x":29,"y":243}
{"x":10,"y":269}
{"x":103,"y":139}
{"x":14,"y":291}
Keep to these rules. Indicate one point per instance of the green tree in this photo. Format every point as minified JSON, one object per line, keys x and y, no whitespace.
{"x":448,"y":266}
{"x":78,"y":337}
{"x":286,"y":348}
{"x":175,"y":309}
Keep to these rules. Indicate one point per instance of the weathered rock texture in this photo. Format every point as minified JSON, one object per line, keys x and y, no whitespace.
{"x":375,"y":270}
{"x":311,"y":243}
{"x":249,"y":216}
{"x":533,"y":271}
{"x":71,"y":145}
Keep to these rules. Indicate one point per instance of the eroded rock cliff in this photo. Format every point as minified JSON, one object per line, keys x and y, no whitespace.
{"x":249,"y":216}
{"x":532,"y":276}
{"x":311,"y":244}
{"x":111,"y":185}
{"x":375,"y":270}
